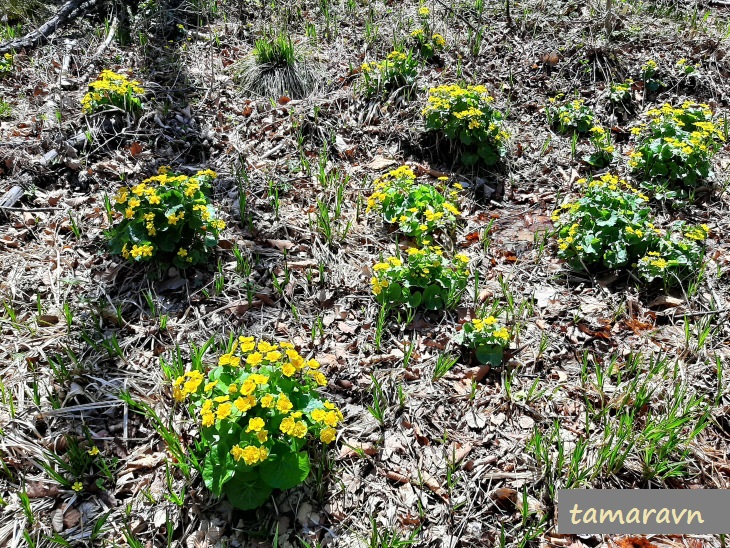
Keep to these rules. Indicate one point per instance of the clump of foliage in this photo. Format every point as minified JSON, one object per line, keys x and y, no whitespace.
{"x":676,"y":147}
{"x":427,"y":279}
{"x":259,"y":412}
{"x":398,"y":70}
{"x":418,"y":210}
{"x":649,"y":75}
{"x":610,"y":226}
{"x":5,"y":109}
{"x":465,"y":115}
{"x":277,"y":66}
{"x":427,"y":42}
{"x":113,"y":90}
{"x":428,"y":45}
{"x":677,"y":256}
{"x":6,"y":64}
{"x":486,"y":337}
{"x":167,"y":217}
{"x":571,"y":116}
{"x":620,"y":94}
{"x":603,"y":147}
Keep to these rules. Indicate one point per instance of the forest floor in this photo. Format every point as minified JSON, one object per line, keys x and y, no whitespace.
{"x":473,"y":457}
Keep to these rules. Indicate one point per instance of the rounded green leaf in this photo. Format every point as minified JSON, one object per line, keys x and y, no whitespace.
{"x":490,"y":354}
{"x":247,"y":491}
{"x":285,"y":472}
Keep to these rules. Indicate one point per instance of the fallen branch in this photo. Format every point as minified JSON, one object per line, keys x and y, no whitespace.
{"x":68,"y":12}
{"x":9,"y":199}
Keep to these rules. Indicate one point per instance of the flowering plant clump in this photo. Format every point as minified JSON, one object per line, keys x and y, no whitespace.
{"x":466,"y":115}
{"x":486,"y":337}
{"x":676,"y":146}
{"x":427,"y":279}
{"x":649,"y":72}
{"x":113,"y":90}
{"x":603,"y":147}
{"x":418,"y":210}
{"x":609,"y":226}
{"x":677,"y":256}
{"x":166,"y":217}
{"x":258,"y":410}
{"x":620,"y":94}
{"x":572,"y":116}
{"x":688,"y":69}
{"x":398,"y":70}
{"x":426,"y":43}
{"x":6,"y":64}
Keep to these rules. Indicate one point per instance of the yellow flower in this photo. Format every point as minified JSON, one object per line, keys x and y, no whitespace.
{"x":423,"y":11}
{"x":255,"y":424}
{"x":224,"y":410}
{"x":153,"y":199}
{"x":254,"y":359}
{"x":267,"y":401}
{"x":237,"y":452}
{"x":248,"y":387}
{"x":273,"y":356}
{"x":287,"y":369}
{"x":208,"y":419}
{"x":258,"y":379}
{"x":77,"y":486}
{"x":299,"y":430}
{"x":328,"y":435}
{"x":244,"y":404}
{"x":93,"y":451}
{"x":318,"y":414}
{"x":221,"y":399}
{"x":122,"y":195}
{"x":319,"y":378}
{"x":331,"y":418}
{"x":210,"y":386}
{"x":284,"y":404}
{"x":182,"y":253}
{"x":265,"y":347}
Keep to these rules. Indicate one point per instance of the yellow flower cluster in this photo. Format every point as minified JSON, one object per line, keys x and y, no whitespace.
{"x":698,"y":233}
{"x":486,"y":325}
{"x":116,"y":89}
{"x":155,"y":204}
{"x":442,"y":98}
{"x":144,"y":250}
{"x":252,"y":387}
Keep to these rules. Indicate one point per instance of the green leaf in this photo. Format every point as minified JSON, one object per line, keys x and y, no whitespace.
{"x":217,"y":469}
{"x":490,"y":354}
{"x":285,"y":472}
{"x":247,"y":491}
{"x":415,"y":299}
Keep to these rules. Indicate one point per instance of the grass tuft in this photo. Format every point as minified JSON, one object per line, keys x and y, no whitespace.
{"x":278,"y":66}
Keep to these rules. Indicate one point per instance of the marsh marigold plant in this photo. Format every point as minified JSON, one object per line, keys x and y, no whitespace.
{"x":675,"y":147}
{"x":418,"y":210}
{"x":610,"y":226}
{"x":113,"y":90}
{"x":677,"y":256}
{"x":426,"y":278}
{"x":166,"y":218}
{"x":398,"y":70}
{"x":465,"y":115}
{"x":259,"y":411}
{"x":569,"y":116}
{"x":486,"y":337}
